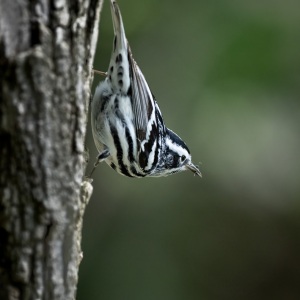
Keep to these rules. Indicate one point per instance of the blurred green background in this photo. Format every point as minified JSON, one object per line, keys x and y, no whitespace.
{"x":226,"y":75}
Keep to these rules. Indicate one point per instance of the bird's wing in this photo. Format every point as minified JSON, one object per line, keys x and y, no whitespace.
{"x":143,"y":103}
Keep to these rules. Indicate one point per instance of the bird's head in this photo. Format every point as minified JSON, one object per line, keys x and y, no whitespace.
{"x":177,"y":156}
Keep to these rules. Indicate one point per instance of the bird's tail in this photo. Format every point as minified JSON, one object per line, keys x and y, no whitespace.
{"x":120,"y":41}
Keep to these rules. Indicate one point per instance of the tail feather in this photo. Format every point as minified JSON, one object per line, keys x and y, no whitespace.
{"x":120,"y":37}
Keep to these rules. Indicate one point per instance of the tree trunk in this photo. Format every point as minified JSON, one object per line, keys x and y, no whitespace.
{"x":46,"y":54}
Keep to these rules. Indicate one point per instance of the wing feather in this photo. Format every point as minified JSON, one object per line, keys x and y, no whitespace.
{"x":141,"y":97}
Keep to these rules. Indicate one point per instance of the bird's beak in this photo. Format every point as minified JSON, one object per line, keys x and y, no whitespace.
{"x":194,"y":169}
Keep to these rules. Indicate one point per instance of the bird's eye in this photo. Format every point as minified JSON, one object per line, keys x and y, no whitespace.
{"x":182,"y":158}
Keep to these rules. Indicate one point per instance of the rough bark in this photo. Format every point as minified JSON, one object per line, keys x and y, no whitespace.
{"x":46,"y":55}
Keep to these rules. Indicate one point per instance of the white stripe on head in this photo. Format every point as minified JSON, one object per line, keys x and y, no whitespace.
{"x":176,"y":148}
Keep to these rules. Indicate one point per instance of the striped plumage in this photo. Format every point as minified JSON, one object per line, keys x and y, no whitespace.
{"x":128,"y":128}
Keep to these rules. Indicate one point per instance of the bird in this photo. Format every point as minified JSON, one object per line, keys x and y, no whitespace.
{"x":127,"y":125}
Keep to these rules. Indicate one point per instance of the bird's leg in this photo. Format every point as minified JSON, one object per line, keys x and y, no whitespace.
{"x":102,"y":156}
{"x":100,"y":73}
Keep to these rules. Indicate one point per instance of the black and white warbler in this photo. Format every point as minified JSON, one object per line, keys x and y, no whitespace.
{"x":128,"y":127}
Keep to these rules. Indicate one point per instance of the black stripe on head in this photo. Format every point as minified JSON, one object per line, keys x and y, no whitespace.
{"x":177,"y":140}
{"x":119,"y":149}
{"x":172,"y":159}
